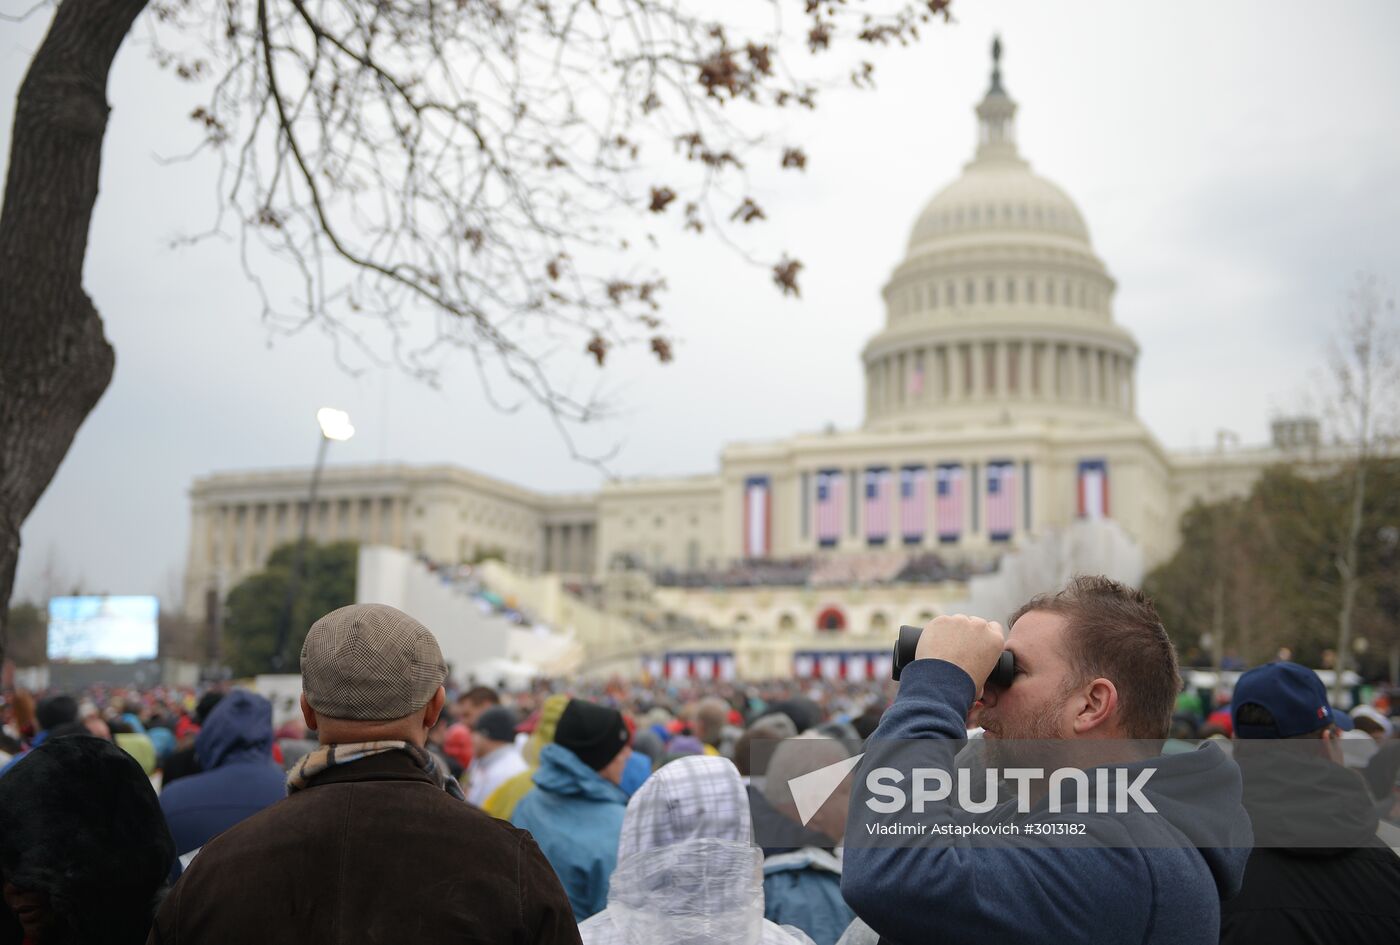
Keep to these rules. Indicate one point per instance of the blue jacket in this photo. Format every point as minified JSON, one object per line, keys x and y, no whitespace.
{"x":38,"y":739}
{"x":1158,"y":879}
{"x":802,"y":888}
{"x":239,"y":777}
{"x":575,"y":815}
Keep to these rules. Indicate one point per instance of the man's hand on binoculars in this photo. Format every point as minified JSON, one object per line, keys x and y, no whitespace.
{"x":970,"y":643}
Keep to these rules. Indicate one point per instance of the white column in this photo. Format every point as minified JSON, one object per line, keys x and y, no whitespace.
{"x":225,"y":537}
{"x":398,"y":538}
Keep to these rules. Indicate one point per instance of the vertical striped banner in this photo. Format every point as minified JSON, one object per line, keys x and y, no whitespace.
{"x":1093,"y":489}
{"x":1001,"y":500}
{"x":879,"y":504}
{"x":948,"y":502}
{"x":758,"y":517}
{"x":704,"y":666}
{"x":831,"y":499}
{"x":913,"y":503}
{"x":804,"y":665}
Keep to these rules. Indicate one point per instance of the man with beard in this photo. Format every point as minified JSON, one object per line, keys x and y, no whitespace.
{"x":1096,"y":680}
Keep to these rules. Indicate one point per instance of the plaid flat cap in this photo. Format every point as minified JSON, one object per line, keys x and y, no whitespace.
{"x":370,"y":662}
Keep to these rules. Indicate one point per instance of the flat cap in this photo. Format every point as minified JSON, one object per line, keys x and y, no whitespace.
{"x":370,"y":662}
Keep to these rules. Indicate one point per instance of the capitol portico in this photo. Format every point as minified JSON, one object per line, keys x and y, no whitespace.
{"x":999,"y":404}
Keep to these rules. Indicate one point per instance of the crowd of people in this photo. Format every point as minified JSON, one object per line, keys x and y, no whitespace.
{"x":394,"y":806}
{"x":875,"y":567}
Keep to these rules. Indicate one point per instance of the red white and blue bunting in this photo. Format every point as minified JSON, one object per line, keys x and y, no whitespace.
{"x":702,"y":665}
{"x":853,"y":666}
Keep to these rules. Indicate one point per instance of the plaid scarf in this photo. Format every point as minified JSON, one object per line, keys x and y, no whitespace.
{"x":329,"y":756}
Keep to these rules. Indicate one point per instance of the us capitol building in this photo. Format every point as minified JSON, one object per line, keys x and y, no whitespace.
{"x":999,"y":405}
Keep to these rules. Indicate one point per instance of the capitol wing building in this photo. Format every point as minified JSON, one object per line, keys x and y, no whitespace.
{"x":999,"y":405}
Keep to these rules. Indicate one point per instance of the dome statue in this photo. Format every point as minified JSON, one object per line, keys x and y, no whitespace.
{"x":1000,"y":310}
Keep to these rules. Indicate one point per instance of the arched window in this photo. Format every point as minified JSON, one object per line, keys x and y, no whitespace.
{"x":831,"y":619}
{"x":879,"y":624}
{"x":787,"y":623}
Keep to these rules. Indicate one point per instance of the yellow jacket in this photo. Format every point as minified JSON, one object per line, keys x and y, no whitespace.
{"x":501,"y":803}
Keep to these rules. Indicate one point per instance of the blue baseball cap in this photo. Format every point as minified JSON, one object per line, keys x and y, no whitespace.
{"x":1292,"y":694}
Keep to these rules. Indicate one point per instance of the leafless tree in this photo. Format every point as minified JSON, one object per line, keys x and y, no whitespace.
{"x":1364,"y":382}
{"x":481,"y":176}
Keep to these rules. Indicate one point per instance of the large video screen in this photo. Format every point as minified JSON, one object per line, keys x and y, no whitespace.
{"x":102,"y":629}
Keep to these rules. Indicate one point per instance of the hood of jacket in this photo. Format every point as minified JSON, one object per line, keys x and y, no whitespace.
{"x":239,"y":729}
{"x":686,"y":869}
{"x":1199,"y":796}
{"x":545,"y":728}
{"x":561,"y":772}
{"x":1299,"y":799}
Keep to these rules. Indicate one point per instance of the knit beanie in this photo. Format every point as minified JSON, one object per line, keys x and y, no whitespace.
{"x":593,"y":732}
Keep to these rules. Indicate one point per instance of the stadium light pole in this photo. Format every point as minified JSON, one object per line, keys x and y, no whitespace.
{"x":335,"y":425}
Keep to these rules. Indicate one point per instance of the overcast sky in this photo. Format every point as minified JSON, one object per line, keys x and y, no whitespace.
{"x":1236,"y":164}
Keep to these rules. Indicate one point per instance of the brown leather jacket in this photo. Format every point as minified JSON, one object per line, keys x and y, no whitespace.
{"x":371,"y":851}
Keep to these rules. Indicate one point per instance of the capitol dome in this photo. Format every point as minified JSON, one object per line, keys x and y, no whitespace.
{"x":1000,"y":310}
{"x":997,"y":198}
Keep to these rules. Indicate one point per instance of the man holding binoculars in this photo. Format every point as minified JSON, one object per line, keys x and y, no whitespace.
{"x":1096,"y":675}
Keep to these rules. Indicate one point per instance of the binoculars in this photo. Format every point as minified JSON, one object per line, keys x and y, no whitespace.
{"x":908,"y":644}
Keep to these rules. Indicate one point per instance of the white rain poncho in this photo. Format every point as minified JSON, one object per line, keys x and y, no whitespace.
{"x":687,"y":873}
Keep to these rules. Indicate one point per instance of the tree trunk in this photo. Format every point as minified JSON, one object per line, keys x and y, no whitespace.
{"x":1347,"y":565}
{"x":54,"y":360}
